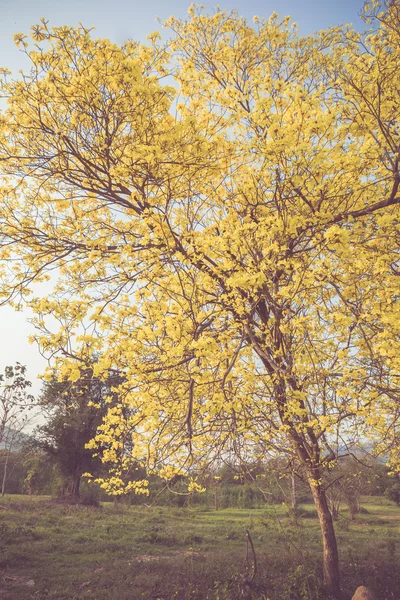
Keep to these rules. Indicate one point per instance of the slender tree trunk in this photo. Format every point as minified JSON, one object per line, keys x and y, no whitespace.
{"x":216,"y":499}
{"x":329,"y":545}
{"x":3,"y":484}
{"x":293,"y":493}
{"x":335,"y":511}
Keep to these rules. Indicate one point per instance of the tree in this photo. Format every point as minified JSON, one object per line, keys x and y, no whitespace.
{"x":11,"y":442}
{"x":351,"y":477}
{"x":234,"y":254}
{"x":41,"y":473}
{"x":15,"y":403}
{"x":15,"y":471}
{"x":74,"y":412}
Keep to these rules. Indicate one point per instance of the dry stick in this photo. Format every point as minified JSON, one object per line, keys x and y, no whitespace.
{"x":250,"y":541}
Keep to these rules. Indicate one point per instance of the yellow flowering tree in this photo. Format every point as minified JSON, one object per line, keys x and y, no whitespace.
{"x":221,"y":216}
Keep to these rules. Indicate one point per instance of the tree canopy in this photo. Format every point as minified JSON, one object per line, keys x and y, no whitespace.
{"x":223,"y":215}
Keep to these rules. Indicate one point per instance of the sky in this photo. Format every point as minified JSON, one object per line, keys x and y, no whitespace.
{"x":120,"y":20}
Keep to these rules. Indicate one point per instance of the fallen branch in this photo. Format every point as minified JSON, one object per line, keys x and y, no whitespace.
{"x":250,"y":541}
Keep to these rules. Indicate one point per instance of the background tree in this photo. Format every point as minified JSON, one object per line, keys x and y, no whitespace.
{"x":11,"y":443}
{"x":15,"y":404}
{"x":40,"y":475}
{"x":74,"y":411}
{"x":393,"y":490}
{"x":235,"y":256}
{"x":352,"y":476}
{"x":15,"y":471}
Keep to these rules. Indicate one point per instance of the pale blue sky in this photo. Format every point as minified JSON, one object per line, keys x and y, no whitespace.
{"x":120,"y":20}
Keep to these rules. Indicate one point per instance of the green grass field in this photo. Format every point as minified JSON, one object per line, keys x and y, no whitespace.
{"x":51,"y":551}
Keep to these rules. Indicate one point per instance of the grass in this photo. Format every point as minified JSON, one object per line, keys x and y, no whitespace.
{"x":52,"y":551}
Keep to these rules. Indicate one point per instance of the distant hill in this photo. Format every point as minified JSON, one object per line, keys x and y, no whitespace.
{"x":362,"y":452}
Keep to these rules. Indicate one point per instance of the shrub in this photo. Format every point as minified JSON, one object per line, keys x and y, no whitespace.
{"x":393,"y":493}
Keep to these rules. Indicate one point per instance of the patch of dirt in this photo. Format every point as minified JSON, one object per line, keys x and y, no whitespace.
{"x":18,"y":580}
{"x":186,"y":554}
{"x":148,"y":558}
{"x":194,"y":555}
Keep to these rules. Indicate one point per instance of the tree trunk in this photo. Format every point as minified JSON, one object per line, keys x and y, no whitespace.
{"x":3,"y":484}
{"x":308,"y":451}
{"x":75,"y":484}
{"x":293,"y":492}
{"x":335,"y":511}
{"x":329,"y":545}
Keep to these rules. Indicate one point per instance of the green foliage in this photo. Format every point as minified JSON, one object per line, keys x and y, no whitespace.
{"x":42,"y":476}
{"x":393,"y":492}
{"x":14,"y":386}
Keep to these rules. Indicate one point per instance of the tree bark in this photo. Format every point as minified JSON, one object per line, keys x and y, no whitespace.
{"x":329,"y":545}
{"x":75,"y":484}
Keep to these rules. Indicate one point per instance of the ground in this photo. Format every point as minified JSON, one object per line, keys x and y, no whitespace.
{"x":50,"y":551}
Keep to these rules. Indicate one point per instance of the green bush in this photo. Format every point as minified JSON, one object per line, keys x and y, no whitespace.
{"x":393,"y":493}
